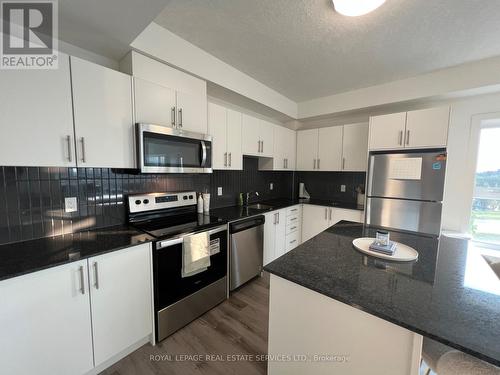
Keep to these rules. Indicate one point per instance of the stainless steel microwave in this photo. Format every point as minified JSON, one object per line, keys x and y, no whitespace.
{"x":161,"y":149}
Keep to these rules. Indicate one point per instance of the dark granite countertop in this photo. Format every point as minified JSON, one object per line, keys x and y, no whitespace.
{"x":450,"y":294}
{"x":20,"y":258}
{"x":240,"y":212}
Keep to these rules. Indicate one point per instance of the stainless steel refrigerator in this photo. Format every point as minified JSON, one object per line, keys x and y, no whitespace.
{"x":405,"y":190}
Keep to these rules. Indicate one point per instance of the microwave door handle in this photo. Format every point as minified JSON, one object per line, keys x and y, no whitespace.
{"x":203,"y":153}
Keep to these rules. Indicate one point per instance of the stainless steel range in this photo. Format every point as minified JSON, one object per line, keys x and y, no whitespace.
{"x":171,"y":218}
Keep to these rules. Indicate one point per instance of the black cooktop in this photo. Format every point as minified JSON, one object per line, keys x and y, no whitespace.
{"x":173,"y":225}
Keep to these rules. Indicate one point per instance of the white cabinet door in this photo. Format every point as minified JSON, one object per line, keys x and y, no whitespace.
{"x":121,"y":300}
{"x":290,"y":148}
{"x":387,"y":131}
{"x":266,"y":138}
{"x":269,"y":237}
{"x":355,"y":147}
{"x":235,"y":156}
{"x":45,"y":320}
{"x":307,"y":149}
{"x":102,"y":100}
{"x":191,"y":112}
{"x":330,"y":149}
{"x":314,"y":220}
{"x":280,"y":151}
{"x":250,"y":140}
{"x":340,"y":214}
{"x":280,"y":233}
{"x":217,"y":129}
{"x":154,"y":104}
{"x":427,"y":127}
{"x":36,"y":117}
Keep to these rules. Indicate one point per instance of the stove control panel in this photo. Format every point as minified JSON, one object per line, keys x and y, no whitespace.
{"x":160,"y":201}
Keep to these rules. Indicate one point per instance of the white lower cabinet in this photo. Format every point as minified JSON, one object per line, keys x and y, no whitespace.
{"x":315,"y":219}
{"x":120,"y":294}
{"x":274,"y":235}
{"x":45,"y":320}
{"x":57,"y":321}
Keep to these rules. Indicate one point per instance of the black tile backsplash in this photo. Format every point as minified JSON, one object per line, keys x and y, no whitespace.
{"x":326,"y":185}
{"x":32,"y":199}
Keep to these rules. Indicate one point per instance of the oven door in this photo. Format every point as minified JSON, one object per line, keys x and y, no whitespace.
{"x":161,"y":149}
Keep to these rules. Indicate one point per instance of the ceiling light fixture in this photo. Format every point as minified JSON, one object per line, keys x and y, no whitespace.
{"x":354,"y":8}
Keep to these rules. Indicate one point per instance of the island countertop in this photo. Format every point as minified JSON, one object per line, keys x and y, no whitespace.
{"x":449,"y":294}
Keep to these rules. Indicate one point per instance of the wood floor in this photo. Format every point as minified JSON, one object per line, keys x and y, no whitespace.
{"x":234,"y":332}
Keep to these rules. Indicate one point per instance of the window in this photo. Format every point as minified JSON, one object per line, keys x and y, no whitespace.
{"x":485,"y":217}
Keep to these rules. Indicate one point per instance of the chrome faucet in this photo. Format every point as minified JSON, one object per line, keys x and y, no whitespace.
{"x":247,"y":196}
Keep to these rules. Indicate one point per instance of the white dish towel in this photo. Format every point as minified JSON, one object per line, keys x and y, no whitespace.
{"x":195,"y":254}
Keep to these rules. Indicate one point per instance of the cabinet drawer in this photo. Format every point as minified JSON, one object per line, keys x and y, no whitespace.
{"x":294,"y":210}
{"x":292,"y":241}
{"x":293,"y":227}
{"x":295,"y":219}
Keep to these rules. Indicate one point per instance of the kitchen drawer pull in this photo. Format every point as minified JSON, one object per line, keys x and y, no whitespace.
{"x":68,"y":141}
{"x":96,"y":276}
{"x":293,"y":219}
{"x":292,"y":241}
{"x":293,"y":210}
{"x":172,"y":116}
{"x":292,"y":228}
{"x":82,"y":280}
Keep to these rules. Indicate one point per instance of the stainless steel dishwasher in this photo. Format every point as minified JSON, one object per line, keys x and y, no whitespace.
{"x":247,"y":248}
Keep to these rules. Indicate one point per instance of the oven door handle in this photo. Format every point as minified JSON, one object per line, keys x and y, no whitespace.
{"x":179,"y":240}
{"x":203,"y":153}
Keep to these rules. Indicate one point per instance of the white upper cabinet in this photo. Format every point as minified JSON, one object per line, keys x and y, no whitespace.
{"x":36,"y":117}
{"x":307,"y":149}
{"x":266,"y":138}
{"x":102,"y":100}
{"x":166,"y":96}
{"x":387,"y":131}
{"x":224,"y":125}
{"x":46,"y":322}
{"x":355,"y":148}
{"x":415,"y":129}
{"x":427,"y":127}
{"x":250,"y":141}
{"x":330,"y":149}
{"x":284,"y":151}
{"x":191,"y":112}
{"x":233,"y":135}
{"x":154,"y":104}
{"x":120,"y":290}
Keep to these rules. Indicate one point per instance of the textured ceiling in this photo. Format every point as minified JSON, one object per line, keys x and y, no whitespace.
{"x":305,"y":50}
{"x":106,"y":27}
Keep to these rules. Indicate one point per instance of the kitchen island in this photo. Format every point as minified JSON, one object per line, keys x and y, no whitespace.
{"x":334,"y":310}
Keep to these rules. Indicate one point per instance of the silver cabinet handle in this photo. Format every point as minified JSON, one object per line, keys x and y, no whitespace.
{"x":225,"y":159}
{"x":96,"y":276}
{"x":286,"y":166}
{"x":318,"y":163}
{"x":292,"y":228}
{"x":230,"y":161}
{"x":203,"y":153}
{"x":314,"y":162}
{"x":258,"y":147}
{"x":407,"y":137}
{"x":278,"y":214}
{"x":262,"y":146}
{"x":172,"y":116}
{"x":343,"y":163}
{"x":82,"y":280}
{"x":284,"y":163}
{"x":180,"y":117}
{"x":293,"y":241}
{"x":330,"y":210}
{"x":400,"y":141}
{"x":82,"y":141}
{"x":275,"y":219}
{"x":293,"y":219}
{"x":326,"y":213}
{"x":68,"y":141}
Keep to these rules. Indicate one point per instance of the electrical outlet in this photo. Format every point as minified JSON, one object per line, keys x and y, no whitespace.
{"x":342,"y":188}
{"x":271,"y":186}
{"x":219,"y":191}
{"x":70,"y":204}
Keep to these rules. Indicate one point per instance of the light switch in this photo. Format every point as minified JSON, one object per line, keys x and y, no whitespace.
{"x":219,"y":191}
{"x":271,"y":186}
{"x":70,"y":204}
{"x":342,"y":188}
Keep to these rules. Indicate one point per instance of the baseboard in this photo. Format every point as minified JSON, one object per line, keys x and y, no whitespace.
{"x":117,"y":357}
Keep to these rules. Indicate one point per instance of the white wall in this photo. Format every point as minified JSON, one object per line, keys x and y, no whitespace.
{"x":460,"y":166}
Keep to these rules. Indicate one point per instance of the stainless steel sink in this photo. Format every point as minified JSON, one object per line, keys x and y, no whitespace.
{"x":259,"y":206}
